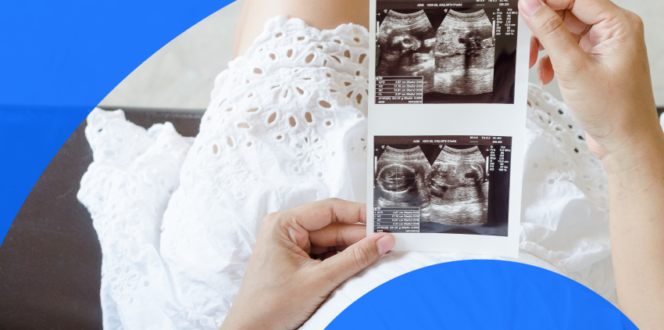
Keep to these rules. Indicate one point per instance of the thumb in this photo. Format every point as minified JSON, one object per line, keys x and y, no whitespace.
{"x":565,"y":53}
{"x":355,"y":258}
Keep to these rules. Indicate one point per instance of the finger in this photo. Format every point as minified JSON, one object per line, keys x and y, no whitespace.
{"x":586,"y":44}
{"x":541,"y":48}
{"x":316,"y":215}
{"x":545,"y":71}
{"x":297,"y":234}
{"x":337,"y":234}
{"x":342,"y":248}
{"x":534,"y":43}
{"x":342,"y":266}
{"x":328,"y":255}
{"x":534,"y":51}
{"x":589,"y":12}
{"x":574,"y":24}
{"x":546,"y":24}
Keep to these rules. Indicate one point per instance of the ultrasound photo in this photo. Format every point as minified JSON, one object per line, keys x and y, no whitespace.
{"x":406,"y":47}
{"x":441,"y":184}
{"x":445,"y":52}
{"x":464,"y":54}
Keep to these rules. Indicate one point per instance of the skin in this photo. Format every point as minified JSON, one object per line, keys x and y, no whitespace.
{"x":321,"y":14}
{"x":295,"y":264}
{"x":599,"y":55}
{"x":597,"y":50}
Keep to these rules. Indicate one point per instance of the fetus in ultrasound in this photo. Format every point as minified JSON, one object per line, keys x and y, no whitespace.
{"x":453,"y":191}
{"x":458,"y":188}
{"x":443,"y":177}
{"x":464,"y":54}
{"x":406,"y":44}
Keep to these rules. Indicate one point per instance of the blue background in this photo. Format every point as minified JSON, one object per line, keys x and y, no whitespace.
{"x":59,"y":59}
{"x":481,"y":294}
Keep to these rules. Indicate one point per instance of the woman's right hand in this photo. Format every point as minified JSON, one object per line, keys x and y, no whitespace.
{"x":597,"y":50}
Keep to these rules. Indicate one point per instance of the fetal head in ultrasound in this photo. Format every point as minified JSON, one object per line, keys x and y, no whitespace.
{"x":463,"y":52}
{"x":444,"y":184}
{"x":402,"y":178}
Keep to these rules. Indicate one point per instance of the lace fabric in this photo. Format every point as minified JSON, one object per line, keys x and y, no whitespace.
{"x":177,"y":217}
{"x":565,"y":207}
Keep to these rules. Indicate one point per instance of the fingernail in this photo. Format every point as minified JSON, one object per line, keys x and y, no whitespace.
{"x":529,"y":7}
{"x":385,"y":244}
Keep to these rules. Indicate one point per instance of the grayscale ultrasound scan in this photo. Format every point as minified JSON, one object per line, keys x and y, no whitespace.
{"x":442,"y":184}
{"x":432,"y":52}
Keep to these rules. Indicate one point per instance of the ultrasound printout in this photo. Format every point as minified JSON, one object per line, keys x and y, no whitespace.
{"x":442,"y":184}
{"x":447,"y":124}
{"x":463,"y":52}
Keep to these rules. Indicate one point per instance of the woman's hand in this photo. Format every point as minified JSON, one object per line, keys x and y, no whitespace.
{"x":283,"y":285}
{"x":597,"y":50}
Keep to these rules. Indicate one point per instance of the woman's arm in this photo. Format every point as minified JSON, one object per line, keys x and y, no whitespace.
{"x":321,"y":14}
{"x":598,"y":52}
{"x":636,"y":186}
{"x":283,"y":285}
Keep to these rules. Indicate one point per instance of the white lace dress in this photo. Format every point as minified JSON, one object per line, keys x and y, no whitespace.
{"x":177,"y":217}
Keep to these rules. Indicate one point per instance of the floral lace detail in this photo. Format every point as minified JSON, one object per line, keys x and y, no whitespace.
{"x":231,"y":177}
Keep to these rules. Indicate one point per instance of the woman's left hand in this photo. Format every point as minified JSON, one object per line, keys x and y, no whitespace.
{"x":295,"y":264}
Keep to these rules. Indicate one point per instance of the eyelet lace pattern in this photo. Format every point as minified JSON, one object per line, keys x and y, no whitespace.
{"x":177,"y":217}
{"x":565,"y":205}
{"x":286,"y":125}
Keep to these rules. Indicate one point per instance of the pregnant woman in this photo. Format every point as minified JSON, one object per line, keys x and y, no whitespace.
{"x":235,"y":229}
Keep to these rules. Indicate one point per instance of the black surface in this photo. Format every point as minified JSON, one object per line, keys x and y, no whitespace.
{"x":50,"y":260}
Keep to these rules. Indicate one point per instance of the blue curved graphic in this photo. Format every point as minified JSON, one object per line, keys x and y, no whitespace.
{"x":481,"y":294}
{"x":58,"y":60}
